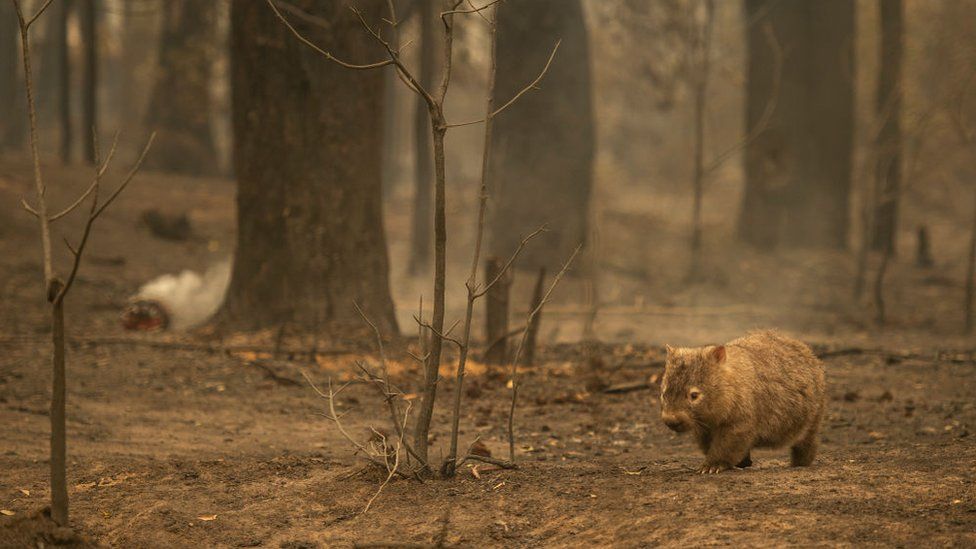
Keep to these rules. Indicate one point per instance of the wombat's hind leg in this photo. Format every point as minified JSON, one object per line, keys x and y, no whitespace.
{"x":746,"y":462}
{"x":803,"y":452}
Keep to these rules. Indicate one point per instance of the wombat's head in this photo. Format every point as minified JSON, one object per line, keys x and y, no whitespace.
{"x":690,"y":382}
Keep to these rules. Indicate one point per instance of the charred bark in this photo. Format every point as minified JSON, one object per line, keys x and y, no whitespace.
{"x":420,"y":225}
{"x":889,"y":100}
{"x":180,"y":105}
{"x":798,"y":168}
{"x":543,"y":145}
{"x":307,"y":150}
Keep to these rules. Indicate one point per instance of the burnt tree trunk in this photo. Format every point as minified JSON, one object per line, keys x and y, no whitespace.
{"x":420,"y":225}
{"x":496,"y":313}
{"x":89,"y":86}
{"x":543,"y":145}
{"x":532,"y":329}
{"x":180,"y":106}
{"x":307,"y":151}
{"x":798,"y":169}
{"x":888,"y":145}
{"x":12,"y":100}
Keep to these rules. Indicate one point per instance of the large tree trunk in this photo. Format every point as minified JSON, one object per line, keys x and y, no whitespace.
{"x":12,"y":100}
{"x":888,"y":146}
{"x":420,"y":225}
{"x":543,"y":146}
{"x":180,"y":106}
{"x":307,"y":149}
{"x":798,"y":166}
{"x":89,"y":86}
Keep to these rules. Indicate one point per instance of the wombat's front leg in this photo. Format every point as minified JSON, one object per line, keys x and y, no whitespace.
{"x":727,"y":449}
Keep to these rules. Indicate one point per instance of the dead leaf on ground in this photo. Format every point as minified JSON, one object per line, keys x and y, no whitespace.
{"x":7,"y":512}
{"x":207,"y":518}
{"x":475,"y":473}
{"x":24,"y":491}
{"x":479,"y":449}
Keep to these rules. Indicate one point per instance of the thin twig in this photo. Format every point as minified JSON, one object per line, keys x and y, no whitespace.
{"x":511,"y":260}
{"x":396,"y":462}
{"x":335,"y":418}
{"x":518,"y":351}
{"x":324,"y":53}
{"x":532,"y":85}
{"x":98,"y":175}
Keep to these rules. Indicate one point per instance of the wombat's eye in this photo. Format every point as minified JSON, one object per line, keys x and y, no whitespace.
{"x":694,"y":395}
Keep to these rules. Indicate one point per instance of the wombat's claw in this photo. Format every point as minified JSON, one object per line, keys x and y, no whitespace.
{"x":712,"y":468}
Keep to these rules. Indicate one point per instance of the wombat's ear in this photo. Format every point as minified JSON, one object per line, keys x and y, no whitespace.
{"x":669,"y":349}
{"x":718,"y":354}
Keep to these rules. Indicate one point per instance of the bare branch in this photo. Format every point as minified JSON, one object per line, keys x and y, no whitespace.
{"x":446,"y":336}
{"x":88,"y":225}
{"x":304,"y":15}
{"x":322,"y":52}
{"x":128,"y":177}
{"x":335,"y":418}
{"x":28,"y":207}
{"x":396,"y":463}
{"x":472,"y":10}
{"x":523,"y":91}
{"x":38,"y":14}
{"x":518,"y":351}
{"x":405,"y":75}
{"x":39,"y":188}
{"x":101,"y":171}
{"x":511,"y":260}
{"x":383,"y":383}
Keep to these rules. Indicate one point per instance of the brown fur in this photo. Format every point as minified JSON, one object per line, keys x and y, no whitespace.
{"x":764,"y":390}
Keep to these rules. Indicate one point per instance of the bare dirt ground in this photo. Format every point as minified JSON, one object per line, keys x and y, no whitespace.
{"x":173,"y":448}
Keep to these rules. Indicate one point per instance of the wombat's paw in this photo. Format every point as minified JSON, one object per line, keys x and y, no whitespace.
{"x":712,"y":468}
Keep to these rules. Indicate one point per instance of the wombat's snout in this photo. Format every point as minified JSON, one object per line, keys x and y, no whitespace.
{"x":674,"y":422}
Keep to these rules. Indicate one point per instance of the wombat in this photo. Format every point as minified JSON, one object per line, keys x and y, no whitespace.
{"x":764,"y":390}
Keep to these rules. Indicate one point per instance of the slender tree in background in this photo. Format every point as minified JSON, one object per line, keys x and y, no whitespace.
{"x":798,"y":169}
{"x":64,"y":79}
{"x":701,"y":57}
{"x":12,"y":127}
{"x":542,"y":161}
{"x":307,"y":147}
{"x":180,"y":106}
{"x":88,"y":17}
{"x":420,"y":225}
{"x":889,"y":100}
{"x":56,"y":288}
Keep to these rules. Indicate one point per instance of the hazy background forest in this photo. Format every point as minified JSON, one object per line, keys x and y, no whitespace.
{"x":701,"y":167}
{"x":164,"y":68}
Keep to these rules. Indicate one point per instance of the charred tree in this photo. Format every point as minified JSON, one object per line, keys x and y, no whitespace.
{"x":180,"y":106}
{"x":88,"y":18}
{"x":12,"y":119}
{"x":420,"y":224}
{"x":543,"y":148}
{"x":798,"y":167}
{"x":496,"y":312}
{"x":888,"y":145}
{"x":307,"y":148}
